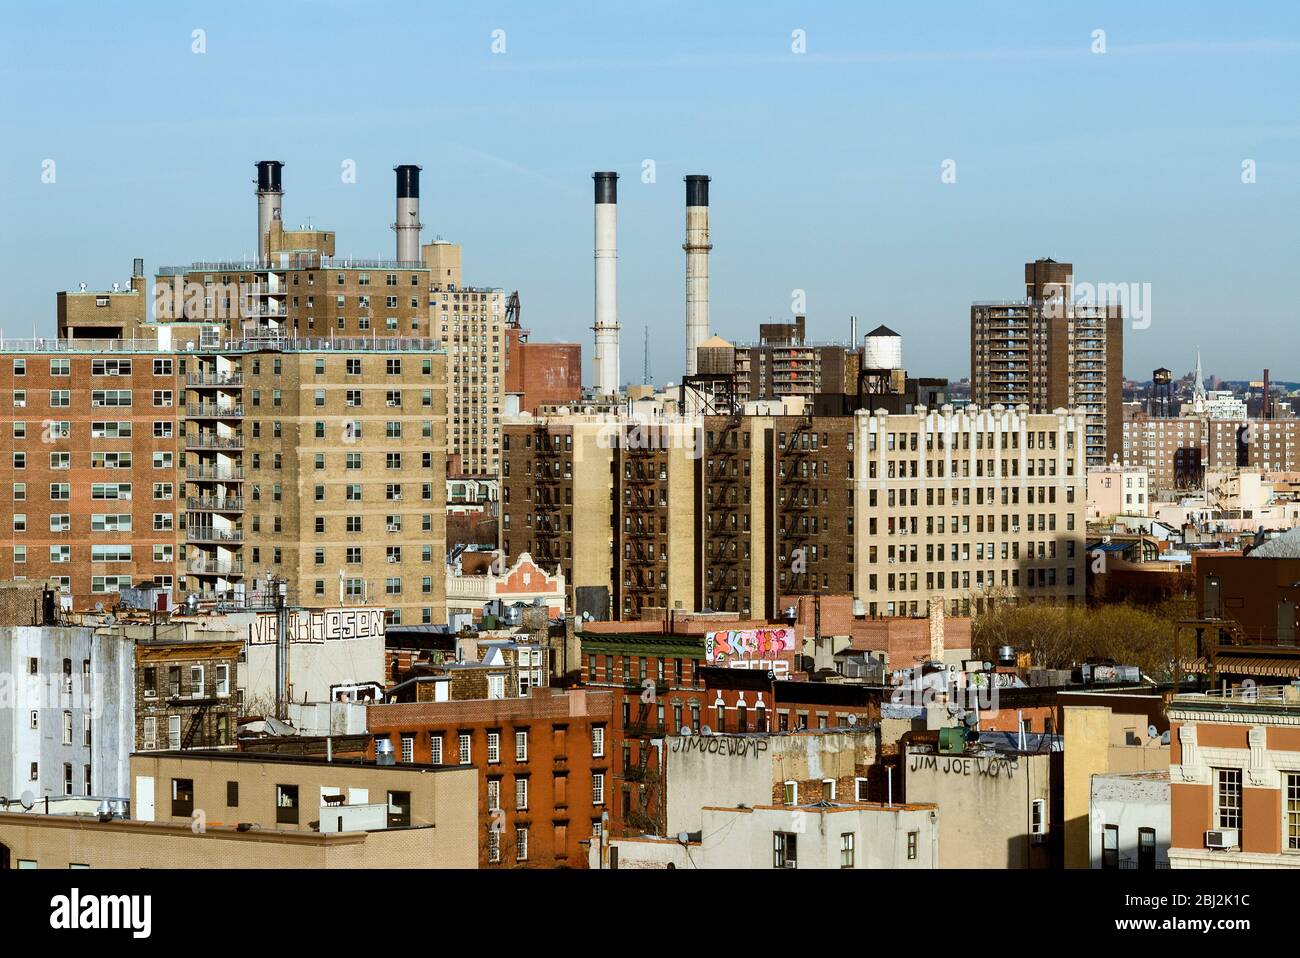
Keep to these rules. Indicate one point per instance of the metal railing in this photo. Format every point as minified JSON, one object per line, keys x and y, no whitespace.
{"x":204,"y":534}
{"x":214,"y":567}
{"x":214,"y":504}
{"x":213,"y":411}
{"x":213,"y":379}
{"x":1283,"y":696}
{"x":212,"y":474}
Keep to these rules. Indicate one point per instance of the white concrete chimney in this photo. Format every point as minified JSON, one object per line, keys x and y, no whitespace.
{"x":697,"y":248}
{"x":607,"y":378}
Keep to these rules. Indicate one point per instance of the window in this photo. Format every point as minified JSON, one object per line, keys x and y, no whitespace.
{"x":182,"y":797}
{"x":1110,"y":847}
{"x":435,"y":748}
{"x":521,"y":793}
{"x":464,"y":748}
{"x":1146,"y":848}
{"x":598,"y":788}
{"x":598,"y":741}
{"x":67,"y":728}
{"x":67,"y":778}
{"x":913,"y":838}
{"x":1038,"y":817}
{"x":521,"y":746}
{"x":286,"y":805}
{"x":232,"y":794}
{"x":1227,"y":798}
{"x":223,"y":680}
{"x":784,"y":850}
{"x":493,"y":747}
{"x":399,"y":809}
{"x":847,"y":840}
{"x":790,"y":795}
{"x":1292,"y":798}
{"x":521,"y":844}
{"x":408,"y":748}
{"x":494,"y":846}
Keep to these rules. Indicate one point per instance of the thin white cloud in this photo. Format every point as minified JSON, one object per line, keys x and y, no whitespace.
{"x":1082,"y":49}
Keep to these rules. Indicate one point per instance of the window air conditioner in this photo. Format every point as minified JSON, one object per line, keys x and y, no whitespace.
{"x":1221,"y":838}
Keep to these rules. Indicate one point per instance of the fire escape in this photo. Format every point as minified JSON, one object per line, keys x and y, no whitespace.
{"x":796,"y":499}
{"x":645,"y":814}
{"x":547,"y":521}
{"x":640,"y":531}
{"x":722,"y":570}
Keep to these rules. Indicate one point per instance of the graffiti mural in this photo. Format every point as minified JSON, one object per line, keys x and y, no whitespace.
{"x":769,"y":649}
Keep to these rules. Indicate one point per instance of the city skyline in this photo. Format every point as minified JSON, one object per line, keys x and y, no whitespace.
{"x":854,"y":214}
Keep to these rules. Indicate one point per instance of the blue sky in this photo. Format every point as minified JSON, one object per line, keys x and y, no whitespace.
{"x":826,"y":165}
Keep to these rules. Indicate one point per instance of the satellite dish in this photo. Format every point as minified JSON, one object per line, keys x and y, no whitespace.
{"x":27,"y":799}
{"x":1164,"y":739}
{"x":1151,"y":731}
{"x":686,"y":731}
{"x":683,"y":837}
{"x":705,"y":730}
{"x":99,"y":607}
{"x":853,"y":719}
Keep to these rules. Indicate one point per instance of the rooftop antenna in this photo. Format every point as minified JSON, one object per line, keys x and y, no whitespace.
{"x":645,"y":367}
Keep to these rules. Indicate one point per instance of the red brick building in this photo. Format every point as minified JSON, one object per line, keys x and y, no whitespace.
{"x":657,"y":687}
{"x":544,"y":761}
{"x":543,"y":374}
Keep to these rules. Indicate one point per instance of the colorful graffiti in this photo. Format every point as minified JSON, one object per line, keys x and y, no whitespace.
{"x":750,"y":648}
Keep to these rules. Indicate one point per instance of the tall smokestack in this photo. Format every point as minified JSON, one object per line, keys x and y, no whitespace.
{"x":1263,"y":408}
{"x":408,"y":223}
{"x":606,"y":366}
{"x":270,"y":198}
{"x":697,"y":248}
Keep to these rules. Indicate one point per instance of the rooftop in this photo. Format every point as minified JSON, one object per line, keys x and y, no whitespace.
{"x":351,"y":344}
{"x":279,"y":758}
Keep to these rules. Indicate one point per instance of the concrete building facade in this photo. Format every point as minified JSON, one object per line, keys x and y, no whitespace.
{"x":69,"y":726}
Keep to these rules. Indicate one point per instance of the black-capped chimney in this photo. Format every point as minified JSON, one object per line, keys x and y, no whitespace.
{"x":268,"y":176}
{"x":697,"y":190}
{"x":606,"y":187}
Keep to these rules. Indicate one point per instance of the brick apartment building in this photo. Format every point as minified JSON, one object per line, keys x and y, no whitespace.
{"x":658,"y":689}
{"x":1177,"y":452}
{"x":185,"y":693}
{"x":968,"y":506}
{"x":895,"y":509}
{"x":1048,"y":352}
{"x":557,"y":488}
{"x":92,"y":473}
{"x":544,"y":764}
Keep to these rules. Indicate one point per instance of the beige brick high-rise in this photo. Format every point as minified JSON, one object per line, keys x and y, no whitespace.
{"x":1048,"y":352}
{"x":968,"y":507}
{"x":326,"y":466}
